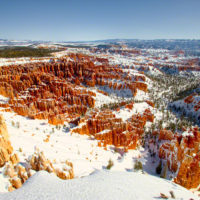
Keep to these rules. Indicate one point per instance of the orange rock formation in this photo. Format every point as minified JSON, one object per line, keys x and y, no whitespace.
{"x":109,"y":130}
{"x":56,"y":90}
{"x":6,"y":149}
{"x":183,"y":157}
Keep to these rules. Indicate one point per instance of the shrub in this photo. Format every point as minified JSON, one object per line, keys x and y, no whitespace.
{"x":138,"y":165}
{"x":13,"y":123}
{"x":58,"y":127}
{"x":110,"y":164}
{"x":172,"y":195}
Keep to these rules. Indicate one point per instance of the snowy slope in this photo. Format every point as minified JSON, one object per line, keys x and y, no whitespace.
{"x":82,"y":151}
{"x":190,"y":109}
{"x":100,"y":185}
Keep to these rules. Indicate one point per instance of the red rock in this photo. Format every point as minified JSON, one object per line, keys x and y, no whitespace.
{"x":6,"y":148}
{"x":166,"y":135}
{"x":16,"y":182}
{"x":56,"y":120}
{"x":150,"y":103}
{"x":189,"y":99}
{"x":109,"y":130}
{"x":183,"y":151}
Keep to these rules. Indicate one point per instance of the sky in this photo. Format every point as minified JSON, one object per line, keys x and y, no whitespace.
{"x":86,"y":20}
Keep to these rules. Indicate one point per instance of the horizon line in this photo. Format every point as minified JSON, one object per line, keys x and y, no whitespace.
{"x":97,"y":40}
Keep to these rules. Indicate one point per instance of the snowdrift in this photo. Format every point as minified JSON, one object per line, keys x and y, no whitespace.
{"x":99,"y":185}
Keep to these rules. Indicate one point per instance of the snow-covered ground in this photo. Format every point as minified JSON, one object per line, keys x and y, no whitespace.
{"x":125,"y":113}
{"x":100,"y":185}
{"x":81,"y":150}
{"x":192,"y":110}
{"x":24,"y":60}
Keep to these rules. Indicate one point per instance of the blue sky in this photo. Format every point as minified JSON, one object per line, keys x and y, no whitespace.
{"x":76,"y":20}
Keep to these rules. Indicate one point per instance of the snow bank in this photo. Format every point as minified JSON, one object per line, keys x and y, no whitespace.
{"x":100,"y":185}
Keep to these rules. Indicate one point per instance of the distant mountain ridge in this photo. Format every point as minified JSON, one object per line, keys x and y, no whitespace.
{"x":170,"y":44}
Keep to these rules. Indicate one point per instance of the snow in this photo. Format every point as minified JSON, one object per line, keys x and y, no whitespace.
{"x":102,"y":99}
{"x":3,"y":182}
{"x":119,"y":93}
{"x":100,"y":185}
{"x":186,"y":133}
{"x":126,"y":113}
{"x":23,"y":60}
{"x":81,"y":150}
{"x":3,"y":99}
{"x":189,"y":109}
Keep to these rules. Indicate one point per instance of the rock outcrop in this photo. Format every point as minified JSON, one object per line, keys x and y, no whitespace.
{"x":6,"y":149}
{"x":109,"y":130}
{"x":39,"y":162}
{"x":183,"y":157}
{"x":58,"y":89}
{"x":18,"y":174}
